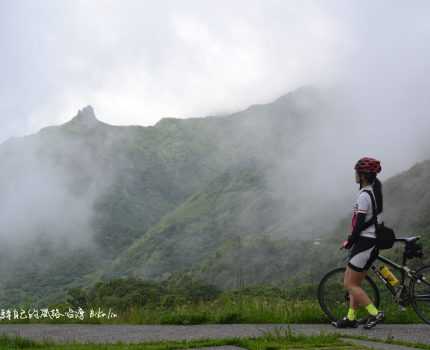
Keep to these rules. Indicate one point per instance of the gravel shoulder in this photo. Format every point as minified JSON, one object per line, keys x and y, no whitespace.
{"x":419,"y":333}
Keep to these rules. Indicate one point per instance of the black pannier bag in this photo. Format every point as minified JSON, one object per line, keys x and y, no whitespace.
{"x":385,"y":236}
{"x":413,"y":250}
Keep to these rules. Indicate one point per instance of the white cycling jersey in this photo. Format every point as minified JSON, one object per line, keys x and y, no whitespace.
{"x":364,"y":205}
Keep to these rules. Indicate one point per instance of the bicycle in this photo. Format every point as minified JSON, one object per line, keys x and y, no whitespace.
{"x":334,"y":299}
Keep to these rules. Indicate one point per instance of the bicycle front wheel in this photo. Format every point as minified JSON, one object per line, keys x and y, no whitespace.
{"x":334,"y":299}
{"x":420,"y":293}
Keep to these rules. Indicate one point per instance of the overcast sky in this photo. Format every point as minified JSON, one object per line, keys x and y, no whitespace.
{"x":136,"y":62}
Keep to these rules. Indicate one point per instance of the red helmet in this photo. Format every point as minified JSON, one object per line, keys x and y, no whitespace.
{"x":368,"y":165}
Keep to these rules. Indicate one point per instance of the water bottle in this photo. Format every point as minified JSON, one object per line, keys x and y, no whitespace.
{"x":388,"y":275}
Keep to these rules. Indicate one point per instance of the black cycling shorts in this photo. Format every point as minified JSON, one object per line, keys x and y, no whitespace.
{"x":363,"y":253}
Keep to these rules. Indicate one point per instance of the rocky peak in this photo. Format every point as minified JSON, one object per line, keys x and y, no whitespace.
{"x":86,"y":118}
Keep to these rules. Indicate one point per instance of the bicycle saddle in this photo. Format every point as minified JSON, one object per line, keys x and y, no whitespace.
{"x":407,"y":239}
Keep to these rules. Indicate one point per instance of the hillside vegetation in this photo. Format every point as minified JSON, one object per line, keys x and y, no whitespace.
{"x":224,"y":199}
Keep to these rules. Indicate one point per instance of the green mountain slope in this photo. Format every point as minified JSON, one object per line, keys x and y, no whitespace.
{"x":236,"y":204}
{"x":91,"y":189}
{"x":227,"y":235}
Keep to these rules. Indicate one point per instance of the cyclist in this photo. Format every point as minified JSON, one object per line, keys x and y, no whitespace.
{"x":362,"y":240}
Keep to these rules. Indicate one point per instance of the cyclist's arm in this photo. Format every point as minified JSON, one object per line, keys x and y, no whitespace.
{"x":359,"y":226}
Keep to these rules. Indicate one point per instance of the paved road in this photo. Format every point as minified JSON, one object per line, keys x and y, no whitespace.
{"x":141,"y":333}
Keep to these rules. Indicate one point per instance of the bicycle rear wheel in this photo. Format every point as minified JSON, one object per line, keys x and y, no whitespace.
{"x":334,"y":299}
{"x":420,"y":293}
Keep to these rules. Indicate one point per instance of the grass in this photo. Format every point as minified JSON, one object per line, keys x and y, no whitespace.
{"x":277,"y":340}
{"x":244,"y":310}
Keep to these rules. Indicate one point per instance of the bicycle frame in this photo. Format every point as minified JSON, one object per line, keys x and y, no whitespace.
{"x":405,"y":272}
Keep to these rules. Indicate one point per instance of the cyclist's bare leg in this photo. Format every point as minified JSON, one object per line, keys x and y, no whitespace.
{"x":352,"y":283}
{"x":353,"y":304}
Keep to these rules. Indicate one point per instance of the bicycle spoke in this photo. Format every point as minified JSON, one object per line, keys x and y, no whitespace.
{"x":420,"y":289}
